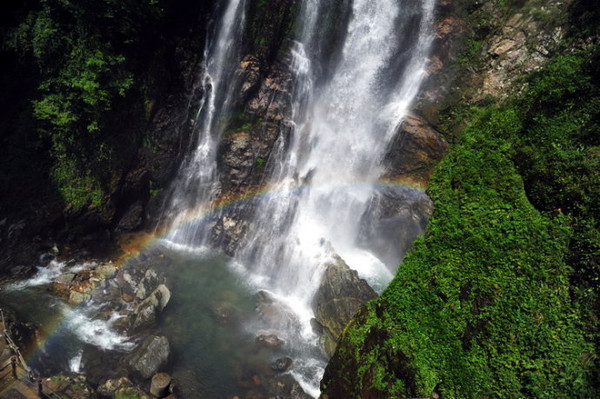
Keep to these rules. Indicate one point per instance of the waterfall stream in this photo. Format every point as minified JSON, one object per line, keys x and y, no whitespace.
{"x":197,"y":181}
{"x":325,"y":175}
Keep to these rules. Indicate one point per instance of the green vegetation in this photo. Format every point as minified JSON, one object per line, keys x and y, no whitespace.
{"x":500,"y":297}
{"x":127,"y":393}
{"x":80,"y":51}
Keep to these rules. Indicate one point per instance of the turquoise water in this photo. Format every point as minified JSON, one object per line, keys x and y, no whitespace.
{"x":211,"y":324}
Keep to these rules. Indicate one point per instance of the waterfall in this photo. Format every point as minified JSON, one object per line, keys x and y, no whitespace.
{"x":326,"y":177}
{"x":197,"y":182}
{"x":346,"y":109}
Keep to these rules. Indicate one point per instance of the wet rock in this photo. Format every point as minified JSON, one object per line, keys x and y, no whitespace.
{"x":76,"y":298}
{"x":416,"y":148}
{"x":339,"y":296}
{"x":150,"y":357}
{"x":69,"y":387}
{"x":249,"y":74}
{"x":106,"y":270}
{"x":111,"y":386}
{"x":66,"y":278}
{"x":273,"y":100}
{"x":285,"y":386}
{"x":224,"y":312}
{"x":149,"y":283}
{"x":276,"y":314}
{"x":131,"y":392}
{"x":159,"y":386}
{"x":269,"y":339}
{"x":389,"y":208}
{"x":146,"y":314}
{"x":100,"y":365}
{"x":133,"y":218}
{"x":282,"y":364}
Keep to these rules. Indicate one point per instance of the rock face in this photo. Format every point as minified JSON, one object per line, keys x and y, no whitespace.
{"x":338,"y":298}
{"x":521,"y":46}
{"x":150,"y":357}
{"x":418,"y":146}
{"x":391,"y":207}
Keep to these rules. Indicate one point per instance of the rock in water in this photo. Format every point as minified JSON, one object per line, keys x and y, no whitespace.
{"x":147,"y":312}
{"x":269,"y":339}
{"x":338,"y":298}
{"x":150,"y":357}
{"x":149,"y":283}
{"x":159,"y":386}
{"x":282,"y":364}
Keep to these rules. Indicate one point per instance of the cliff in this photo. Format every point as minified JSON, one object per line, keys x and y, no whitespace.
{"x":497,"y":298}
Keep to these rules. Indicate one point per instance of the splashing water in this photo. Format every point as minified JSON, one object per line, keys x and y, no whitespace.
{"x":343,"y":127}
{"x":346,"y":109}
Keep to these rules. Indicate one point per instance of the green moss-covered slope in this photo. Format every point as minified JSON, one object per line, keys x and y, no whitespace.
{"x":499,"y":298}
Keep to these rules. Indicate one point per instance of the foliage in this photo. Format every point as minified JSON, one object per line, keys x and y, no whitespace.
{"x":500,"y":297}
{"x":79,"y":49}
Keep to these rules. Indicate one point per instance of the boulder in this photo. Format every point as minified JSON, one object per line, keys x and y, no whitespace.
{"x":149,"y":283}
{"x":159,"y":386}
{"x":150,"y":357}
{"x":131,"y":392}
{"x":133,"y":218}
{"x":339,"y":296}
{"x":390,"y":207}
{"x":224,"y":312}
{"x":106,"y":270}
{"x":416,"y":148}
{"x":276,"y":314}
{"x":269,"y":339}
{"x":99,"y":365}
{"x":64,"y":386}
{"x":282,"y":364}
{"x":146,"y":314}
{"x":76,"y":298}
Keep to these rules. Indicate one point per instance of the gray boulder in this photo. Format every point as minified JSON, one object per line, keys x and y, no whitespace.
{"x":149,"y":283}
{"x":338,"y":298}
{"x":146,"y":314}
{"x":150,"y":357}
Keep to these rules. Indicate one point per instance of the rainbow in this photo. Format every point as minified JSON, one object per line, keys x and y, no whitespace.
{"x":131,"y":244}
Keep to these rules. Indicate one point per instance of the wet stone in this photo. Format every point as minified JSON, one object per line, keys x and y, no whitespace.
{"x":269,"y":339}
{"x":282,"y":364}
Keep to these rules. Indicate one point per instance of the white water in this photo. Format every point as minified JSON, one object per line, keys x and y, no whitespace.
{"x":72,"y":321}
{"x":47,"y":274}
{"x":324,"y":178}
{"x":95,"y":332}
{"x":342,"y":130}
{"x":197,"y":182}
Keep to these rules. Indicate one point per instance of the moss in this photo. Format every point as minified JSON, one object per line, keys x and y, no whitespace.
{"x":498,"y":298}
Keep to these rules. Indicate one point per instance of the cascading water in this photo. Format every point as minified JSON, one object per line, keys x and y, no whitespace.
{"x":197,"y":181}
{"x":343,"y":127}
{"x":325,"y":175}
